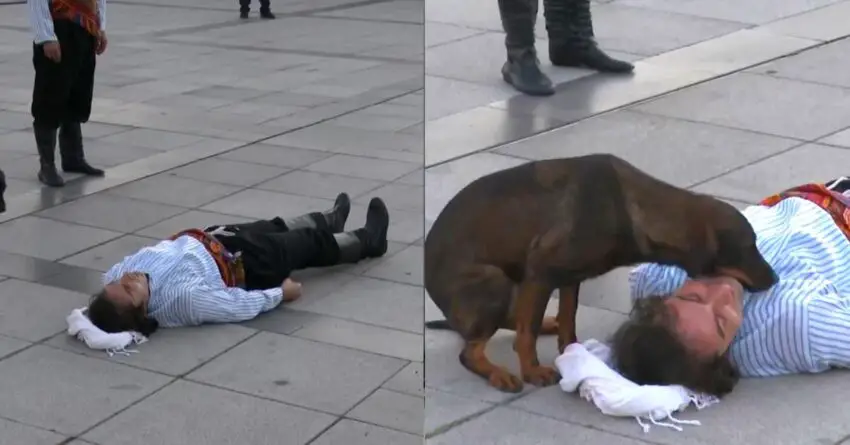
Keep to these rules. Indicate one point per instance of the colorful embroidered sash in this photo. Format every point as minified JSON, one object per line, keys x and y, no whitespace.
{"x":836,"y":204}
{"x":229,"y":265}
{"x":82,"y":12}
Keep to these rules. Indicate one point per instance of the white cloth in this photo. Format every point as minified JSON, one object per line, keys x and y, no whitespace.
{"x":584,"y":367}
{"x":81,"y":327}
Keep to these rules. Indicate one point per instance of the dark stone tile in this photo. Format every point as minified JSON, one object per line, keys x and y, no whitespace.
{"x":28,"y":268}
{"x":77,"y":279}
{"x":474,"y":130}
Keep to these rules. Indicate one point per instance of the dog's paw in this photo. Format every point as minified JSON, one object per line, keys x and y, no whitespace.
{"x":541,"y":376}
{"x":503,"y":380}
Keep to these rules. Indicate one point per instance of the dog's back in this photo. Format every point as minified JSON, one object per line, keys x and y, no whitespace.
{"x":495,"y":217}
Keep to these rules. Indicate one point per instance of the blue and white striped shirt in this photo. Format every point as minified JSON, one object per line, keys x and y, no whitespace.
{"x":802,"y":324}
{"x":186,"y":287}
{"x":41,"y":22}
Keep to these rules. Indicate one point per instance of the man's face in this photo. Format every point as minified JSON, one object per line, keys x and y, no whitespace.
{"x":130,"y":291}
{"x":707,"y":313}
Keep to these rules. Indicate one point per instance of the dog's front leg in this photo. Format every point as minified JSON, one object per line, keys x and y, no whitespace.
{"x":567,"y":311}
{"x":530,"y":307}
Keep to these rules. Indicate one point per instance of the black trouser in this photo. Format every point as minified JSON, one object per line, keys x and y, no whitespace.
{"x":271,"y":252}
{"x":63,"y":91}
{"x":245,"y":5}
{"x":518,"y":19}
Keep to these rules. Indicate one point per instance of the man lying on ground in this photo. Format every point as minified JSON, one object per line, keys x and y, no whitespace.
{"x":230,"y":273}
{"x":706,"y":333}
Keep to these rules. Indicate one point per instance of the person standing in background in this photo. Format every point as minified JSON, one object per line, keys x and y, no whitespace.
{"x":265,"y":9}
{"x":571,"y":43}
{"x":68,"y":36}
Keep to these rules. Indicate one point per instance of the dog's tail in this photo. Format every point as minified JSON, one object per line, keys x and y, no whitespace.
{"x":438,"y":324}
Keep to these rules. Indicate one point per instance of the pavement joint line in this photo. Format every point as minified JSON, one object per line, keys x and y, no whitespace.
{"x":8,"y":419}
{"x":342,"y":6}
{"x":442,"y":429}
{"x":631,"y":109}
{"x":741,"y":167}
{"x":11,"y":202}
{"x":354,"y":406}
{"x":261,"y":49}
{"x":173,"y":379}
{"x":588,"y":425}
{"x":564,"y":85}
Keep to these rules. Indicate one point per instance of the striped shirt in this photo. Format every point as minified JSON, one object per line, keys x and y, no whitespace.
{"x":186,"y":288}
{"x":801,"y":324}
{"x":41,"y":22}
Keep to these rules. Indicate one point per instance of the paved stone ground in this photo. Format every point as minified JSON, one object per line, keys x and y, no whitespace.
{"x":738,"y":100}
{"x":203,"y":118}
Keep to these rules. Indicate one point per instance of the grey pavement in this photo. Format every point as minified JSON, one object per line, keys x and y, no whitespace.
{"x":201,"y":118}
{"x":735,"y":99}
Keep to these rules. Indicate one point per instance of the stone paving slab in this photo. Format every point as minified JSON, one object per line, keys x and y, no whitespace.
{"x":740,"y":137}
{"x":701,"y":39}
{"x":201,"y":118}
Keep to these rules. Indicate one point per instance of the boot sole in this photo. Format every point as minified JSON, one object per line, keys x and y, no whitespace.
{"x":380,"y":216}
{"x":507,"y":78}
{"x":584,"y":65}
{"x":342,"y":204}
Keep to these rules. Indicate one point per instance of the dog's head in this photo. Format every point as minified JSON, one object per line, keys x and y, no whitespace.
{"x":730,"y":249}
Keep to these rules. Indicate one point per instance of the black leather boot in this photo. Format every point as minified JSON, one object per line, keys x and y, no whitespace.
{"x":334,"y":217}
{"x":71,"y":149}
{"x":2,"y":191}
{"x":244,"y":8}
{"x":522,"y":69}
{"x":369,"y":241}
{"x":571,"y":39}
{"x":45,"y":141}
{"x":265,"y":10}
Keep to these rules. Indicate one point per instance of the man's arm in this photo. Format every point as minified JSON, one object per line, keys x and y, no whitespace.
{"x":232,"y":304}
{"x":655,"y":280}
{"x":41,"y":21}
{"x":828,"y":316}
{"x":101,"y":14}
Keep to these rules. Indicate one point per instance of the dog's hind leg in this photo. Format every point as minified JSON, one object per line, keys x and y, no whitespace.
{"x":486,"y":292}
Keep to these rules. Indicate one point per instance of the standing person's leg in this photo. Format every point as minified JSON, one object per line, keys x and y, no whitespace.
{"x":269,"y":258}
{"x":2,"y":191}
{"x":522,"y":69}
{"x":244,"y":8}
{"x":266,"y":10}
{"x":79,"y":108}
{"x":571,"y":38}
{"x":332,"y":220}
{"x":51,"y":89}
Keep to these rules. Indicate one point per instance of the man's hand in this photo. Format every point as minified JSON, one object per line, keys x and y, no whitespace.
{"x":52,"y":51}
{"x":291,"y":290}
{"x":101,"y":43}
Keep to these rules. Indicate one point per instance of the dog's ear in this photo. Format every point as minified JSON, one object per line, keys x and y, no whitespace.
{"x":147,"y":326}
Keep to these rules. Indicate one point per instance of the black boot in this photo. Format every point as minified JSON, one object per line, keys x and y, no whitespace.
{"x":265,"y":10}
{"x":244,"y":8}
{"x":522,"y":69}
{"x":45,"y":141}
{"x":2,"y":191}
{"x":368,"y":242}
{"x":571,"y":39}
{"x":71,"y":149}
{"x":334,"y":217}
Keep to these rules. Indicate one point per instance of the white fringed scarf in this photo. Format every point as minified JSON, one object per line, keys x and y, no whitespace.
{"x":584,"y":367}
{"x":81,"y":327}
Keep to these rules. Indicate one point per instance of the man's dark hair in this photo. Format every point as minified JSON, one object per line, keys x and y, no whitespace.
{"x":105,"y":315}
{"x":647,"y":351}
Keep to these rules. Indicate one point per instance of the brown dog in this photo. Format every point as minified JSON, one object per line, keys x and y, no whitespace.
{"x":552,"y":224}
